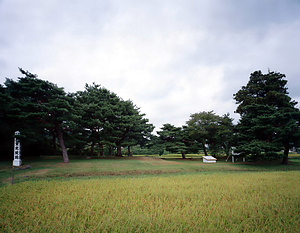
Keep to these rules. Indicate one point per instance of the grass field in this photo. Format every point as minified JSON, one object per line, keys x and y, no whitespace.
{"x":146,"y":194}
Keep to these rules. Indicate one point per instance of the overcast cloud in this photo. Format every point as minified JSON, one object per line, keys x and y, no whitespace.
{"x":170,"y":57}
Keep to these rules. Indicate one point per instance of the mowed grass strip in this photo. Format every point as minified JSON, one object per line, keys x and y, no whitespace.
{"x":53,"y":168}
{"x":216,"y":202}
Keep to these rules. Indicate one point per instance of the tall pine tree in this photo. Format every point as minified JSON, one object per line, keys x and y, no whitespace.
{"x":39,"y":106}
{"x":269,"y":118}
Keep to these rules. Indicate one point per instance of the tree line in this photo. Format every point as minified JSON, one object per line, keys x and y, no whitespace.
{"x":98,"y":121}
{"x":77,"y":122}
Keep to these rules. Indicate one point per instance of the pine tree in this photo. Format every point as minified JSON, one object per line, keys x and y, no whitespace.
{"x":269,"y":119}
{"x":108,"y":121}
{"x":173,"y":139}
{"x":39,"y":106}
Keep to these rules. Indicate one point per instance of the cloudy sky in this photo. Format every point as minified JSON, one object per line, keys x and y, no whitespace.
{"x":170,"y":57}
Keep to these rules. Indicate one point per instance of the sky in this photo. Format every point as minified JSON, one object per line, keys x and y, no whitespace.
{"x":172,"y":58}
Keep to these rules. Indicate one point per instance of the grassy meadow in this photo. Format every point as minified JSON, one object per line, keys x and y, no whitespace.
{"x":147,"y":194}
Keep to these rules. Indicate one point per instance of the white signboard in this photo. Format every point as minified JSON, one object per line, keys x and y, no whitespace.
{"x":17,"y":151}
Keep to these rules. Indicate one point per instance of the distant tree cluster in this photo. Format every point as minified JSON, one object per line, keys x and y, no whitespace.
{"x":204,"y":130}
{"x":269,"y":124}
{"x":97,"y":121}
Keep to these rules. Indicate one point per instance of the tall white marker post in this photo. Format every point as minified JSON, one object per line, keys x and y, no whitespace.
{"x":17,"y":151}
{"x":17,"y":155}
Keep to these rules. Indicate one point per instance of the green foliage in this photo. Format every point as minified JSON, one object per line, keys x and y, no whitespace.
{"x":155,"y":144}
{"x":47,"y":116}
{"x":38,"y":109}
{"x":96,"y":107}
{"x":97,"y":121}
{"x":173,"y":139}
{"x":269,"y":119}
{"x":139,"y":150}
{"x":108,"y":121}
{"x":6,"y":142}
{"x":209,"y":129}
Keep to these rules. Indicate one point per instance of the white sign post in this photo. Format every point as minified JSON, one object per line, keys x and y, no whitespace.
{"x":17,"y":151}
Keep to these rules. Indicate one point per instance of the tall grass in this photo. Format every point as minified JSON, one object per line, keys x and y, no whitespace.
{"x":209,"y":202}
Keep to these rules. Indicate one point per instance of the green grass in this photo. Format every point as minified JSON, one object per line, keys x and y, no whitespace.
{"x":144,"y":194}
{"x":51,"y":167}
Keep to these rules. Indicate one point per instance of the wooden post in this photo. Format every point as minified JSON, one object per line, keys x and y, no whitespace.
{"x":13,"y":175}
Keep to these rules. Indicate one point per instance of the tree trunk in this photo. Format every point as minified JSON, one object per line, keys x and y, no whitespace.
{"x":204,"y":149}
{"x":226,"y":148}
{"x":129,"y":152}
{"x":92,"y":149}
{"x":101,"y":148}
{"x":54,"y":143}
{"x":119,"y":152}
{"x":183,"y":154}
{"x":285,"y":159}
{"x":110,"y":151}
{"x":62,"y":144}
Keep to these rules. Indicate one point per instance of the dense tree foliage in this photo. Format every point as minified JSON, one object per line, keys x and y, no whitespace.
{"x":269,"y":119}
{"x":96,"y":107}
{"x":136,"y":128}
{"x":45,"y":114}
{"x":211,"y":130}
{"x":96,"y":121}
{"x":173,"y":139}
{"x":225,"y":134}
{"x":177,"y":140}
{"x":108,"y":121}
{"x":7,"y":130}
{"x":38,"y":108}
